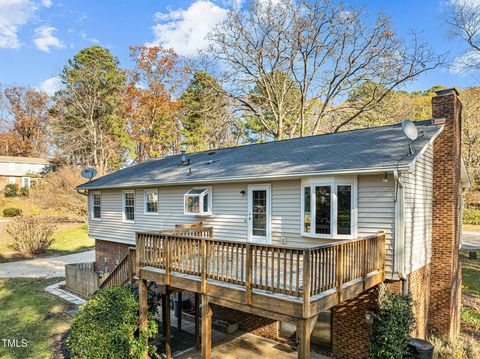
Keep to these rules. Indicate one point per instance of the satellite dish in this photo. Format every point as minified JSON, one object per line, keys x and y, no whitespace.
{"x":89,"y":173}
{"x":409,"y":130}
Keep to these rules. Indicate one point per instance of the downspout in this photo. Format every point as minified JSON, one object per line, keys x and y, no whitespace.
{"x":399,"y":255}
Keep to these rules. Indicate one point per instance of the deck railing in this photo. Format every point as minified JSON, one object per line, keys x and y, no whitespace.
{"x":123,"y":272}
{"x":298,"y":272}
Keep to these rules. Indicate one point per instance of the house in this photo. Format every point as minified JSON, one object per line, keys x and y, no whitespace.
{"x":304,"y":230}
{"x":23,"y":171}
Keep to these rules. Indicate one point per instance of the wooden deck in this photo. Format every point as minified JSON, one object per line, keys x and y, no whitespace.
{"x":279,"y":282}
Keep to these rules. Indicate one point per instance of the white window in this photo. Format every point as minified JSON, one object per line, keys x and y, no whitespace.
{"x":151,"y":201}
{"x":26,"y":182}
{"x":198,"y":201}
{"x":96,"y":205}
{"x":129,"y":206}
{"x":329,"y":208}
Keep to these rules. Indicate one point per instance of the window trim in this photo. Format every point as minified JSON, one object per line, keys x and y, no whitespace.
{"x":92,"y":217}
{"x":145,"y":192}
{"x":202,"y":213}
{"x":333,"y":182}
{"x":124,"y":219}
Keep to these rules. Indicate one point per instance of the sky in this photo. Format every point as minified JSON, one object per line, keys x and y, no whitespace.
{"x":37,"y":37}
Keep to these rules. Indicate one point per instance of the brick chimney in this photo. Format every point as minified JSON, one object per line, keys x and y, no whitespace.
{"x":446,"y":277}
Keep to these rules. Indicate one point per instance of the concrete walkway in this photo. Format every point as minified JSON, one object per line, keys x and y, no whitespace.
{"x":44,"y":267}
{"x":59,"y":292}
{"x":471,"y":240}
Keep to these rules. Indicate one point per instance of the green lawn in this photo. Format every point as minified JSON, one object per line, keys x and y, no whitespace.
{"x":28,"y":312}
{"x":69,"y":238}
{"x":471,"y":275}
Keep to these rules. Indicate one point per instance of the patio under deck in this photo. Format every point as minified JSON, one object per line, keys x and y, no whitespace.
{"x":278,"y":282}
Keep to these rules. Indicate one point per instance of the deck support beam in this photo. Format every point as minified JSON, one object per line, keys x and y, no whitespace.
{"x":180,"y":310}
{"x":303,"y":332}
{"x":143,"y":308}
{"x":198,"y":340}
{"x":166,"y":323}
{"x":206,"y":328}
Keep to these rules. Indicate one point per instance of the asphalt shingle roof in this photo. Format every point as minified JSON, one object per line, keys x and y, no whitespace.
{"x":363,"y":150}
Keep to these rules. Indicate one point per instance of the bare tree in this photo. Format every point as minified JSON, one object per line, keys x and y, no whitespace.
{"x":463,"y":18}
{"x":325,"y":48}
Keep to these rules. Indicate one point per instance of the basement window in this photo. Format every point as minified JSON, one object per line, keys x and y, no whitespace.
{"x":329,"y":208}
{"x":198,"y":201}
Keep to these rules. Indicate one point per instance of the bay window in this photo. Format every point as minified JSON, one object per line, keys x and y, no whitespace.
{"x":198,"y":201}
{"x":329,"y":208}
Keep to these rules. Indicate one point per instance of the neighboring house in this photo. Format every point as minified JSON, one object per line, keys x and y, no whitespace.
{"x":302,"y":204}
{"x":23,"y":171}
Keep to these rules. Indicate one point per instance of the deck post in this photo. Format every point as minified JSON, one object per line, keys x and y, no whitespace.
{"x":180,"y":309}
{"x":206,"y":328}
{"x":303,"y":331}
{"x":166,"y":317}
{"x":143,"y":308}
{"x":339,"y":273}
{"x":204,"y":267}
{"x":306,"y":282}
{"x":198,"y":340}
{"x":365,"y":263}
{"x":248,"y":281}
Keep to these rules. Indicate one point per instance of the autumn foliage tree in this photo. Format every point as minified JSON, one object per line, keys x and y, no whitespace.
{"x":88,"y":114}
{"x":25,"y":122}
{"x":151,"y":103}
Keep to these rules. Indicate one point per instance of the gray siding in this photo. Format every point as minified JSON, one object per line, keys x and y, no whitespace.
{"x":418,"y":213}
{"x":229,"y":219}
{"x":376,"y":210}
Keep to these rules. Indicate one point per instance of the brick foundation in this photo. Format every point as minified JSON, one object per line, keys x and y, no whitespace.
{"x":351,"y":332}
{"x":419,"y":289}
{"x":263,"y":327}
{"x":112,"y":251}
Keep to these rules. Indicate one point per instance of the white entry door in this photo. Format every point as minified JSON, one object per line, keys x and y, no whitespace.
{"x":259,"y":213}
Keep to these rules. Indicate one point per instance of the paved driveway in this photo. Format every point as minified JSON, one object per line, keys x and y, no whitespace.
{"x":44,"y":267}
{"x":471,"y":240}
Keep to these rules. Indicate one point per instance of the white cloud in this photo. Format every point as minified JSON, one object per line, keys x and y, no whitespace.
{"x":51,"y":85}
{"x":185,"y":30}
{"x":13,"y":15}
{"x":466,"y":62}
{"x":83,"y":35}
{"x":45,"y":39}
{"x":47,"y":3}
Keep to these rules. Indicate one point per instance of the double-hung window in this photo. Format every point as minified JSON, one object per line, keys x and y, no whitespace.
{"x":128,"y":206}
{"x":198,"y":201}
{"x":329,"y":208}
{"x":151,"y":201}
{"x":96,"y":205}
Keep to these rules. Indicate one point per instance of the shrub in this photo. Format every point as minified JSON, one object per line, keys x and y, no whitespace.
{"x":12,"y":212}
{"x":31,"y":235}
{"x":392,"y":326}
{"x":11,"y":190}
{"x":459,"y":348}
{"x":56,"y":192}
{"x":471,"y":216}
{"x":106,"y":327}
{"x":24,"y":191}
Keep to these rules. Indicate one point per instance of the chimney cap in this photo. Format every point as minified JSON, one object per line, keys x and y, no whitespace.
{"x":448,"y":91}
